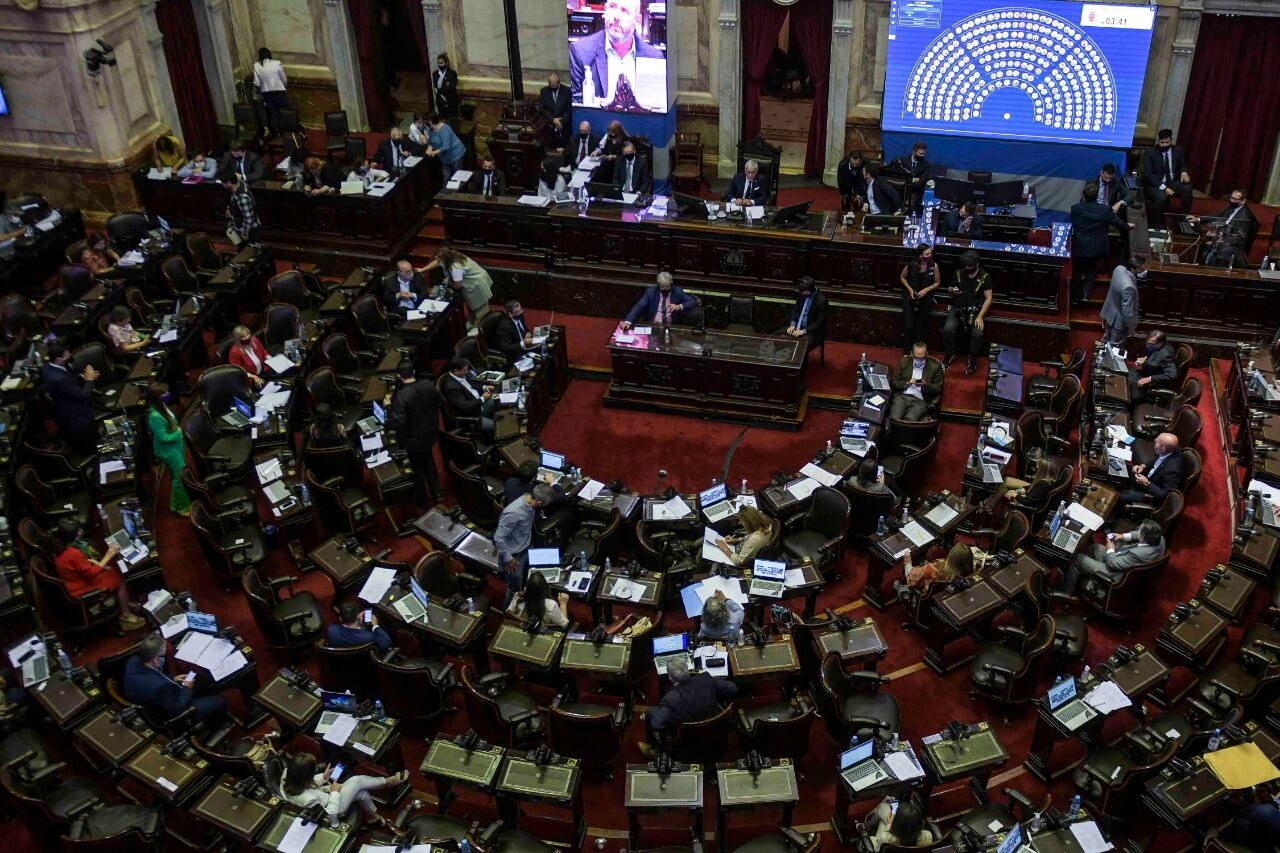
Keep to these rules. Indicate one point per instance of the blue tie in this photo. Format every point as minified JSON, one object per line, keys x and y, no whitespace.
{"x":804,"y":313}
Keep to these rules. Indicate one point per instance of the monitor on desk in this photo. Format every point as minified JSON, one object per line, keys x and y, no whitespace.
{"x":242,"y":407}
{"x":670,"y":644}
{"x":601,"y":189}
{"x":859,"y":753}
{"x":1002,"y":194}
{"x":554,"y":461}
{"x":882,"y":223}
{"x":953,"y":190}
{"x":713,"y":495}
{"x":792,"y":213}
{"x":689,"y":205}
{"x":343,"y":703}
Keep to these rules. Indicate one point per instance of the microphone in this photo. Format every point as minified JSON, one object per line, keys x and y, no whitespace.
{"x":657,"y":484}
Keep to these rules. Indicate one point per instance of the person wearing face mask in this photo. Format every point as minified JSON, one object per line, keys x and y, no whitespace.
{"x":365,"y":173}
{"x":393,"y":151}
{"x":1156,"y":369}
{"x":916,"y":384}
{"x":445,"y":84}
{"x":167,"y":445}
{"x":554,"y":106}
{"x":246,"y":164}
{"x":248,"y":354}
{"x":550,"y":181}
{"x":881,"y":198}
{"x":1164,"y":474}
{"x":663,"y":304}
{"x":201,"y":167}
{"x":851,"y":182}
{"x":488,"y":181}
{"x":582,"y":145}
{"x":1165,"y":177}
{"x":631,"y":173}
{"x":916,"y":168}
{"x":971,"y":296}
{"x":513,"y":335}
{"x":83,"y":572}
{"x":809,"y":316}
{"x":463,"y":274}
{"x":920,"y":278}
{"x":1233,"y":234}
{"x":404,"y":289}
{"x":444,"y":144}
{"x":1120,"y":309}
{"x":147,"y":683}
{"x":610,"y":149}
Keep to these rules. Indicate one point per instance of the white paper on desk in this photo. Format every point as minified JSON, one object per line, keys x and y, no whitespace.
{"x":10,"y":383}
{"x":1117,"y":432}
{"x":674,"y":508}
{"x":587,"y":164}
{"x":341,"y":729}
{"x":168,"y":337}
{"x":630,"y":198}
{"x":377,"y":585}
{"x":192,"y":646}
{"x":1089,"y":837}
{"x":628,"y":590}
{"x":432,"y":306}
{"x":379,"y":190}
{"x":642,"y":330}
{"x":298,"y":836}
{"x":533,"y":200}
{"x":276,"y":400}
{"x":109,"y":467}
{"x":580,"y":179}
{"x":410,"y":162}
{"x":794,"y":578}
{"x":269,"y":389}
{"x":414,"y":314}
{"x":590,"y":489}
{"x":1107,"y":697}
{"x":130,"y":258}
{"x":34,"y":644}
{"x":624,"y":339}
{"x":1117,"y":459}
{"x":745,"y":500}
{"x":755,"y":211}
{"x":176,"y":625}
{"x":1085,"y":516}
{"x":382,"y":457}
{"x":508,"y":398}
{"x":803,"y":487}
{"x":280,"y":363}
{"x":901,"y":765}
{"x":709,"y":549}
{"x":371,"y":442}
{"x":875,"y":401}
{"x":826,"y":478}
{"x":229,"y":666}
{"x":731,"y":587}
{"x":579,"y":581}
{"x":269,"y":471}
{"x":260,"y":415}
{"x":941,"y":515}
{"x":915,"y":531}
{"x":462,"y":175}
{"x":215,"y":653}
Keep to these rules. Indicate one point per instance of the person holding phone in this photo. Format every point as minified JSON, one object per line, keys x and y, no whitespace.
{"x":304,"y":785}
{"x":148,"y":683}
{"x":355,"y":630}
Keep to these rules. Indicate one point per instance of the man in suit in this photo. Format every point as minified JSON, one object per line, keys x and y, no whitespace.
{"x":1090,"y":222}
{"x":1163,"y":475}
{"x":513,"y":336}
{"x":1111,"y":189}
{"x":72,"y":399}
{"x":351,"y":631}
{"x":608,"y":54}
{"x":414,"y":416}
{"x":404,"y":289}
{"x":1165,"y":177}
{"x":1156,"y":369}
{"x":245,"y":163}
{"x":881,"y":199}
{"x":631,"y":172}
{"x":1120,"y":309}
{"x":1117,"y":556}
{"x":582,"y":145}
{"x":851,"y":183}
{"x":916,"y":384}
{"x":554,"y":103}
{"x":746,"y":188}
{"x":393,"y":150}
{"x":147,"y":683}
{"x":809,"y":317}
{"x":964,"y":221}
{"x":488,"y":181}
{"x":464,"y":399}
{"x":445,"y":85}
{"x":916,"y":167}
{"x":663,"y":303}
{"x":691,"y":698}
{"x":1233,"y":236}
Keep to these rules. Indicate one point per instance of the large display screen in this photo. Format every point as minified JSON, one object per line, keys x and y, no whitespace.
{"x":618,"y":55}
{"x":1041,"y":71}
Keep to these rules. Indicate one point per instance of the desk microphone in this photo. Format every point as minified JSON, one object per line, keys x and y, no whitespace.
{"x":531,"y":626}
{"x":598,"y":635}
{"x":657,"y":484}
{"x":840,"y":622}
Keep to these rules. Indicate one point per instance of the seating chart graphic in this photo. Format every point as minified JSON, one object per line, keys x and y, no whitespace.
{"x":1062,"y":72}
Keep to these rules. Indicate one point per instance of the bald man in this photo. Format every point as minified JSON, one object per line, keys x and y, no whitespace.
{"x":1164,"y":474}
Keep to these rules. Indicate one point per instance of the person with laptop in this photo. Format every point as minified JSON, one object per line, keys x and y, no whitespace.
{"x":248,"y":354}
{"x":404,"y":289}
{"x":1121,"y":553}
{"x":83,"y":572}
{"x":916,"y":384}
{"x":1163,"y":475}
{"x":757,"y":533}
{"x":721,"y":619}
{"x":662,"y":304}
{"x":901,"y":827}
{"x":303,"y":784}
{"x":690,"y":699}
{"x":352,"y":630}
{"x":147,"y":683}
{"x":414,"y":416}
{"x":121,"y":333}
{"x":1156,"y":369}
{"x":465,"y":400}
{"x":167,"y":445}
{"x":535,"y":602}
{"x":524,"y":479}
{"x":513,"y":535}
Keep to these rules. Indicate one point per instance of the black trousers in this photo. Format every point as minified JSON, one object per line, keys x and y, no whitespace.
{"x":915,"y":319}
{"x":274,"y":102}
{"x":426,"y":479}
{"x":953,"y":330}
{"x":1083,"y":273}
{"x":1158,"y":202}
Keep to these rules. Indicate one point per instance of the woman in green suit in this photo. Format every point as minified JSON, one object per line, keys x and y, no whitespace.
{"x":166,"y":443}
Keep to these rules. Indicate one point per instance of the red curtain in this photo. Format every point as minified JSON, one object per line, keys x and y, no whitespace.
{"x":177,"y":23}
{"x":419,"y":28}
{"x":811,"y":29}
{"x":1229,"y":120}
{"x":761,"y":23}
{"x":365,"y":21}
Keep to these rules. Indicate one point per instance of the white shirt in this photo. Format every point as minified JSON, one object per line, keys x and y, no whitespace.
{"x":418,"y":134}
{"x":269,"y":76}
{"x":467,"y":385}
{"x":630,"y":167}
{"x":252,"y":356}
{"x":368,"y":177}
{"x":871,"y":198}
{"x":547,"y":192}
{"x":917,"y":373}
{"x":619,"y":65}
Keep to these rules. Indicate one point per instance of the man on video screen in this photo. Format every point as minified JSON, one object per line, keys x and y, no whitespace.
{"x":595,"y":62}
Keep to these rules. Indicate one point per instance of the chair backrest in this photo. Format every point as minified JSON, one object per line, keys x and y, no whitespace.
{"x":1075,"y":364}
{"x":126,"y":230}
{"x":37,"y":492}
{"x":203,"y":254}
{"x":473,"y":496}
{"x":915,"y":465}
{"x":219,"y":384}
{"x":244,"y":116}
{"x":742,"y":309}
{"x":74,"y":281}
{"x":262,"y":604}
{"x":323,"y":387}
{"x":483,"y":714}
{"x":369,"y":318}
{"x":1182,"y":357}
{"x":282,"y":324}
{"x":1028,"y":436}
{"x":1169,"y":513}
{"x":1130,"y":596}
{"x":833,"y":684}
{"x":829,"y":513}
{"x":1189,"y":394}
{"x":409,"y":692}
{"x":785,"y":738}
{"x":200,"y":433}
{"x":17,"y":316}
{"x":328,"y":463}
{"x":434,"y":575}
{"x":335,"y":123}
{"x":769,"y":157}
{"x":68,"y":612}
{"x":866,"y":508}
{"x":94,"y":353}
{"x":337,"y":351}
{"x":1065,"y":395}
{"x":36,"y":539}
{"x":1186,"y":424}
{"x":287,"y":120}
{"x":703,"y":742}
{"x":355,"y":149}
{"x":181,"y":281}
{"x":1192,"y":466}
{"x":906,"y":435}
{"x":589,"y":737}
{"x":489,"y":329}
{"x":1015,"y":530}
{"x":345,"y":667}
{"x":289,"y":286}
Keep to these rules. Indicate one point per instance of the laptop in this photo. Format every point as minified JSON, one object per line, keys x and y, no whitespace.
{"x":35,"y":669}
{"x":767,"y":578}
{"x":375,"y":422}
{"x":412,"y":608}
{"x":859,"y":768}
{"x":715,"y":503}
{"x":121,"y":539}
{"x":550,"y":466}
{"x":1062,"y":536}
{"x":1269,"y":513}
{"x":667,"y":648}
{"x":546,"y":562}
{"x":334,"y":704}
{"x":1012,"y":840}
{"x":510,"y":385}
{"x":856,"y":446}
{"x":1071,"y":711}
{"x":991,"y":473}
{"x":241,"y":413}
{"x":877,"y":381}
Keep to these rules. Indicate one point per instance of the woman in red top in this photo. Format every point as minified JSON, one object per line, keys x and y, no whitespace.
{"x":248,"y":354}
{"x":83,"y":575}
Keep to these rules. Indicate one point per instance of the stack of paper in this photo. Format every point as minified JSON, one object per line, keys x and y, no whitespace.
{"x":803,"y":487}
{"x":432,"y":306}
{"x":1107,"y":697}
{"x":915,"y":531}
{"x":340,"y":729}
{"x":533,"y":200}
{"x":280,"y":363}
{"x":826,"y":478}
{"x":711,"y":551}
{"x":376,"y":586}
{"x":731,"y":587}
{"x":671,"y":510}
{"x":1085,"y":516}
{"x":590,"y":490}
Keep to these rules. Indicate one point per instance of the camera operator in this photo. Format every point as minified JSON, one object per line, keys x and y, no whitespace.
{"x":971,"y":295}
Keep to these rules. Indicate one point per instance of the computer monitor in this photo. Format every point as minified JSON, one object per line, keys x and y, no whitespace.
{"x":554,"y":461}
{"x":713,"y":495}
{"x":792,"y":213}
{"x":379,"y":412}
{"x":882,"y":223}
{"x":689,"y":205}
{"x":773,"y":570}
{"x":1012,"y":840}
{"x":242,"y":407}
{"x":417,"y":590}
{"x":343,"y":703}
{"x":544,"y":557}
{"x":129,"y":523}
{"x":670,"y":644}
{"x":953,"y":190}
{"x":1062,"y":693}
{"x":602,"y":189}
{"x":857,"y":754}
{"x":164,"y":223}
{"x":1003,"y":193}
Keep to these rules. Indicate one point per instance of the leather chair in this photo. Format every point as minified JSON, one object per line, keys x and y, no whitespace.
{"x":1151,"y":418}
{"x":823,"y":529}
{"x":348,"y":364}
{"x":742,"y":311}
{"x":18,"y":319}
{"x":52,"y":504}
{"x":290,"y":623}
{"x":851,"y":702}
{"x":1192,"y":468}
{"x":231,"y":548}
{"x":909,"y":465}
{"x":1038,"y":389}
{"x":1061,"y":413}
{"x":214,"y":453}
{"x":337,"y":467}
{"x":1111,"y":780}
{"x":1032,"y":444}
{"x":600,"y":539}
{"x":232,"y":502}
{"x":1071,"y":632}
{"x":335,"y":132}
{"x":474,"y":495}
{"x":438,"y":580}
{"x":220,"y":384}
{"x":227,"y":750}
{"x":464,"y":451}
{"x":1057,"y":493}
{"x":56,"y":463}
{"x":778,"y":729}
{"x":675,"y":552}
{"x":499,"y":712}
{"x":687,"y":175}
{"x":323,"y":387}
{"x":106,"y":390}
{"x":1183,"y":355}
{"x":704,"y":742}
{"x":1009,"y":537}
{"x":413,"y":689}
{"x":866,"y":508}
{"x":47,"y":802}
{"x":124,"y":828}
{"x":148,"y":313}
{"x":474,"y":350}
{"x":281,"y":322}
{"x":907,"y":436}
{"x":345,"y":667}
{"x":74,"y":616}
{"x":488,"y":330}
{"x":995,"y":817}
{"x":36,"y":540}
{"x":371,"y":322}
{"x":204,"y":257}
{"x":1127,"y":597}
{"x":1008,"y":672}
{"x":341,"y":509}
{"x":1168,"y":512}
{"x":179,"y":278}
{"x":590,"y":733}
{"x":293,"y":288}
{"x":127,"y":230}
{"x":1186,"y":424}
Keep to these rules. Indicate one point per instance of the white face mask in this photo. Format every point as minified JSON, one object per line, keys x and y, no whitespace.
{"x":918,"y":362}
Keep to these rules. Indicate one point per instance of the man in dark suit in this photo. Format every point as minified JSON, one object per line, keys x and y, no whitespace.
{"x":351,"y":631}
{"x":663,"y":303}
{"x":964,"y":221}
{"x":881,"y":198}
{"x":916,"y":168}
{"x":1165,"y":177}
{"x":414,"y":415}
{"x":691,"y":698}
{"x":1090,"y":223}
{"x":1111,"y":189}
{"x":393,"y":150}
{"x":1233,"y":235}
{"x":464,"y":398}
{"x":851,"y":182}
{"x":147,"y":683}
{"x":631,"y":172}
{"x":445,"y":84}
{"x":609,"y":53}
{"x":746,"y":188}
{"x":404,"y":289}
{"x":488,"y":181}
{"x":809,"y":317}
{"x":554,"y":103}
{"x":1164,"y":474}
{"x":246,"y":163}
{"x":1156,"y":369}
{"x":72,"y":399}
{"x":512,"y":336}
{"x":580,"y":146}
{"x":916,"y":384}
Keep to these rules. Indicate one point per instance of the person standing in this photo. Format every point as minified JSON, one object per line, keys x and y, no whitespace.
{"x":242,"y":212}
{"x":513,"y":535}
{"x":414,"y":415}
{"x":442,"y":142}
{"x":72,"y":398}
{"x":445,"y":81}
{"x":971,"y":295}
{"x":1090,"y":223}
{"x":920,"y":278}
{"x":554,"y":105}
{"x":462,"y":273}
{"x":167,"y":445}
{"x":809,"y":316}
{"x":271,"y":82}
{"x":1120,"y":309}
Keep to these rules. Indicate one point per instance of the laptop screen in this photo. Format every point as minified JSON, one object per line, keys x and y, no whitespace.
{"x":554,"y":461}
{"x":544,"y":557}
{"x":205,"y":623}
{"x":1012,"y":840}
{"x":417,"y":589}
{"x":164,"y":224}
{"x":670,"y":644}
{"x":1062,"y":693}
{"x":379,"y":412}
{"x":130,"y":526}
{"x":858,"y":754}
{"x":1054,"y":524}
{"x":773,"y":570}
{"x":342,"y":702}
{"x":713,"y":495}
{"x":242,"y":407}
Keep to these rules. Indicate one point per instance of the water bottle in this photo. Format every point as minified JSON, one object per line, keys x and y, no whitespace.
{"x":828,"y":447}
{"x":666,"y":336}
{"x":102,"y":516}
{"x":1074,"y":808}
{"x":1215,"y":741}
{"x":741,"y":491}
{"x":520,"y":399}
{"x":464,"y":846}
{"x":608,"y":565}
{"x":191,"y":604}
{"x":582,"y":560}
{"x":305,"y":493}
{"x":1062,"y":510}
{"x":379,"y":713}
{"x":905,"y":516}
{"x":1033,"y":826}
{"x":471,"y":604}
{"x":1084,"y":673}
{"x":64,"y":659}
{"x":973,"y":458}
{"x":893,"y":745}
{"x":881,"y":527}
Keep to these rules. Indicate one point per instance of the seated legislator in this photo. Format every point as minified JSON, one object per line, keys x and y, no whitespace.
{"x":247,"y":353}
{"x":200,"y":167}
{"x":464,"y":399}
{"x":631,"y":171}
{"x":522,"y":481}
{"x":352,"y":630}
{"x":404,"y":289}
{"x":1121,"y":553}
{"x":662,"y":303}
{"x":957,"y":564}
{"x":487,"y":181}
{"x":246,"y":164}
{"x":851,"y":183}
{"x":746,"y":188}
{"x":319,"y":177}
{"x":963,"y":221}
{"x":809,"y":316}
{"x":535,"y":602}
{"x":757,"y":533}
{"x":325,"y":432}
{"x":120,"y":330}
{"x":881,"y":199}
{"x":916,"y":384}
{"x":1233,"y":235}
{"x":82,"y":574}
{"x":550,"y":181}
{"x":1156,"y":369}
{"x":1152,"y":483}
{"x":581,"y":146}
{"x":147,"y":683}
{"x":366,"y":173}
{"x":393,"y":150}
{"x":168,"y":152}
{"x":691,"y":698}
{"x":721,"y":619}
{"x":870,"y":478}
{"x":916,"y":168}
{"x":97,"y":257}
{"x":512,"y":335}
{"x":1165,"y":177}
{"x":905,"y":827}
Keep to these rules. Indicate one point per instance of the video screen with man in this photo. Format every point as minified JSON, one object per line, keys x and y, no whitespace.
{"x":618,"y":55}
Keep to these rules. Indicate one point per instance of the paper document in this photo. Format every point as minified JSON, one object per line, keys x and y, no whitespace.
{"x":377,"y":585}
{"x":109,"y":467}
{"x":192,"y":646}
{"x":794,"y":578}
{"x":278,"y":400}
{"x":462,"y":176}
{"x":1241,"y":766}
{"x":755,"y":211}
{"x":803,"y":487}
{"x":627,"y":590}
{"x":590,"y":490}
{"x":1085,"y":516}
{"x":579,"y":581}
{"x":174,"y":626}
{"x":901,"y":765}
{"x":433,"y":306}
{"x":33,"y":644}
{"x":642,"y":330}
{"x":382,"y":457}
{"x":731,"y":587}
{"x":579,"y":180}
{"x":215,"y":653}
{"x":710,"y":551}
{"x":1089,"y":837}
{"x":875,"y":401}
{"x":1117,"y":432}
{"x":941,"y":515}
{"x":280,"y":363}
{"x":298,"y":836}
{"x":630,"y":198}
{"x":915,"y":531}
{"x":341,"y":729}
{"x":379,"y":190}
{"x":534,"y":201}
{"x":229,"y":666}
{"x":269,"y":470}
{"x":624,"y":339}
{"x":1107,"y":697}
{"x":673,"y":509}
{"x":371,"y":442}
{"x":414,"y":314}
{"x":826,"y":478}
{"x":168,"y":337}
{"x":508,"y":398}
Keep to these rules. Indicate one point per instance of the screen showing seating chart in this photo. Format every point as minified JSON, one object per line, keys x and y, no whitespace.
{"x":1040,"y":71}
{"x":618,"y":55}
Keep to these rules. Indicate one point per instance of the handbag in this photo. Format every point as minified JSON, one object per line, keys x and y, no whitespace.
{"x":234,"y":236}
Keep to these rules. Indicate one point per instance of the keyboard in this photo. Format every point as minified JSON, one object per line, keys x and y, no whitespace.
{"x":864,"y":775}
{"x":410,"y":609}
{"x":991,"y":473}
{"x":1074,"y":714}
{"x":35,"y":670}
{"x":773,"y":589}
{"x":235,"y":419}
{"x":715,"y":512}
{"x":369,"y":425}
{"x":327,"y":719}
{"x":1066,"y":539}
{"x":878,"y":381}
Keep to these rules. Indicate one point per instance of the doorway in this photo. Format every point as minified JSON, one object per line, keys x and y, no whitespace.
{"x":786,"y":104}
{"x":405,"y":68}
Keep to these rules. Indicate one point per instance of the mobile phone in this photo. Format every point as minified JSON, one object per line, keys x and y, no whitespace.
{"x":367,"y":617}
{"x":336,"y":771}
{"x":893,"y":807}
{"x":879,"y":472}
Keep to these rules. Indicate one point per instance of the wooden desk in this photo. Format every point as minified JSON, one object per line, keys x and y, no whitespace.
{"x":883,"y":559}
{"x":973,"y":758}
{"x":171,"y":779}
{"x":540,"y":651}
{"x":1193,"y":643}
{"x":1228,"y":596}
{"x":112,"y":741}
{"x":243,"y":818}
{"x":649,"y":793}
{"x":65,"y":699}
{"x":742,"y":790}
{"x":447,"y":763}
{"x":558,"y":783}
{"x":952,"y":614}
{"x":292,"y":707}
{"x":346,"y":570}
{"x":776,"y":658}
{"x":863,"y":643}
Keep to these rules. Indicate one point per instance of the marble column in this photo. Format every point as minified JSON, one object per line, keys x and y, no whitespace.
{"x":838,"y":85}
{"x":730,"y":88}
{"x":160,"y":68}
{"x":218,"y":56}
{"x":346,"y":64}
{"x":1184,"y":51}
{"x":435,"y":32}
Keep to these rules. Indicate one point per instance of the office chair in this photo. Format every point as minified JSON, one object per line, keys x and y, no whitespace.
{"x":290,"y":623}
{"x":851,"y":702}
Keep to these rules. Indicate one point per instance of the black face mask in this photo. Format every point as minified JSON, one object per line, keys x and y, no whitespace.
{"x":442,"y":67}
{"x":584,"y":135}
{"x":1236,"y":203}
{"x":630,"y":157}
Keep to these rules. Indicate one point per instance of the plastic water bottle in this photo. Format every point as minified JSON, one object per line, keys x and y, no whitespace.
{"x":608,"y":565}
{"x":881,"y":527}
{"x":828,"y":447}
{"x":306,"y":494}
{"x":379,"y":713}
{"x":1215,"y":741}
{"x":1084,"y":673}
{"x":191,"y":604}
{"x":102,"y":515}
{"x":893,"y":744}
{"x":582,"y":560}
{"x":64,"y":659}
{"x":906,"y":516}
{"x":1074,"y":808}
{"x":741,"y":491}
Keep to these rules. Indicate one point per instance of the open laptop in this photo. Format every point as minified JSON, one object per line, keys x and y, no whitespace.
{"x":1071,"y":711}
{"x":1062,"y":536}
{"x":375,"y":422}
{"x":767,"y":578}
{"x":877,"y":381}
{"x":1269,"y":513}
{"x":667,"y":648}
{"x":859,"y":767}
{"x":334,"y":704}
{"x":991,"y":473}
{"x":1012,"y":840}
{"x":241,"y":413}
{"x":550,"y":465}
{"x":546,"y":562}
{"x":35,"y":669}
{"x":412,"y":608}
{"x":715,"y":503}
